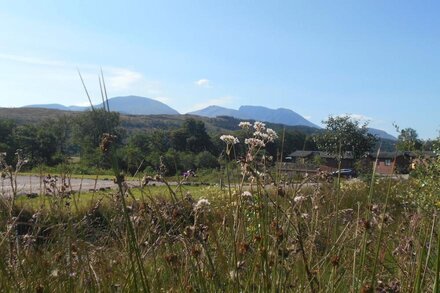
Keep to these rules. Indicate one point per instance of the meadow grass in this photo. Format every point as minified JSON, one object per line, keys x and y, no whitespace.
{"x":286,"y":238}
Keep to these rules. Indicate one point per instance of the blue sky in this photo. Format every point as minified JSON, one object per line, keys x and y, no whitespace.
{"x":375,"y":60}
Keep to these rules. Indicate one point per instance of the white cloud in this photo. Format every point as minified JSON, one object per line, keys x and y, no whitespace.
{"x":118,"y":80}
{"x":206,"y":83}
{"x":122,"y":79}
{"x":358,"y":117}
{"x":31,"y":60}
{"x":308,"y":117}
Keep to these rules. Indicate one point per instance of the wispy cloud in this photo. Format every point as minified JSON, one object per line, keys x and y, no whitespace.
{"x":122,"y":79}
{"x":206,"y":83}
{"x":118,"y":80}
{"x":32,"y":60}
{"x":358,"y":117}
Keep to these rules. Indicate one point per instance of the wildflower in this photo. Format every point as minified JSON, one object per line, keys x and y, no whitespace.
{"x":246,"y":194}
{"x":254,"y":142}
{"x":272,"y":134}
{"x":245,"y":125}
{"x":261,"y":135}
{"x":146,"y":179}
{"x":299,"y":199}
{"x":304,"y":216}
{"x":54,"y":273}
{"x":229,"y":139}
{"x":233,"y":275}
{"x":259,"y":126}
{"x":189,"y":173}
{"x":202,"y":204}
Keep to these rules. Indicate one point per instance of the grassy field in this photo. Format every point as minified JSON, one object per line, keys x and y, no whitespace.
{"x":321,"y":238}
{"x":261,"y":233}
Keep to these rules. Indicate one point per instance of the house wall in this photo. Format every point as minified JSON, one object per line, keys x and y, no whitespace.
{"x":400,"y":166}
{"x":383,"y":168}
{"x":331,"y":165}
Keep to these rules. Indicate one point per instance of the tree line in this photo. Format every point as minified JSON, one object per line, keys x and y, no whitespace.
{"x":56,"y":141}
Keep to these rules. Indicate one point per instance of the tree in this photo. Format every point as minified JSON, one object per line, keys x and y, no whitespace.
{"x":343,"y":134}
{"x":37,"y":143}
{"x":206,"y":160}
{"x":408,"y":140}
{"x":134,"y":153}
{"x":88,"y":130}
{"x":159,"y":141}
{"x":7,"y":144}
{"x":192,"y":136}
{"x":61,"y":128}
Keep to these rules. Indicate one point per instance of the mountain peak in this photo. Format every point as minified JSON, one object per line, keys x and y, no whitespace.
{"x":281,"y":115}
{"x":132,"y":105}
{"x":136,"y":105}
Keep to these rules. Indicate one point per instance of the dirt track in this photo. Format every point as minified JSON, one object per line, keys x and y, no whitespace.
{"x":35,"y":184}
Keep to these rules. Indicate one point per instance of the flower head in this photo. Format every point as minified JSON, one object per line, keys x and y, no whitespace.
{"x":271,"y":134}
{"x":261,"y":135}
{"x":246,"y":194}
{"x":254,"y":142}
{"x":202,"y":205}
{"x":229,"y":139}
{"x":299,"y":199}
{"x":259,"y":126}
{"x":245,"y":125}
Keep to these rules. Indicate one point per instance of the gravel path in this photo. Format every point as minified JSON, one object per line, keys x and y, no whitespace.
{"x":34,"y":184}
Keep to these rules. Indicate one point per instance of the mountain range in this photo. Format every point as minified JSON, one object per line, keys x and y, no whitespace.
{"x":135,"y":105}
{"x":281,"y":115}
{"x":132,"y":105}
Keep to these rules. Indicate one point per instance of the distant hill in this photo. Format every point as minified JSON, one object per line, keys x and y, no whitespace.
{"x":56,"y":107}
{"x":133,"y":123}
{"x":135,"y":105}
{"x":381,"y":134}
{"x":215,"y":111}
{"x":132,"y":105}
{"x":280,"y":116}
{"x":218,"y":125}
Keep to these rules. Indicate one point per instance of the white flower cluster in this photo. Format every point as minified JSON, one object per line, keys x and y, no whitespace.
{"x":272,"y":134}
{"x":229,"y":139}
{"x":298,"y":199}
{"x":245,"y":125}
{"x":261,"y":135}
{"x":254,"y":142}
{"x":202,"y":205}
{"x":246,"y":194}
{"x":259,"y":126}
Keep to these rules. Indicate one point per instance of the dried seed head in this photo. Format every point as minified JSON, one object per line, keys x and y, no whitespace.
{"x":244,"y":248}
{"x":335,"y":260}
{"x":106,"y":141}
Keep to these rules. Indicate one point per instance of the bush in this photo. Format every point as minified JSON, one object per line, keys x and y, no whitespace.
{"x":205,"y":160}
